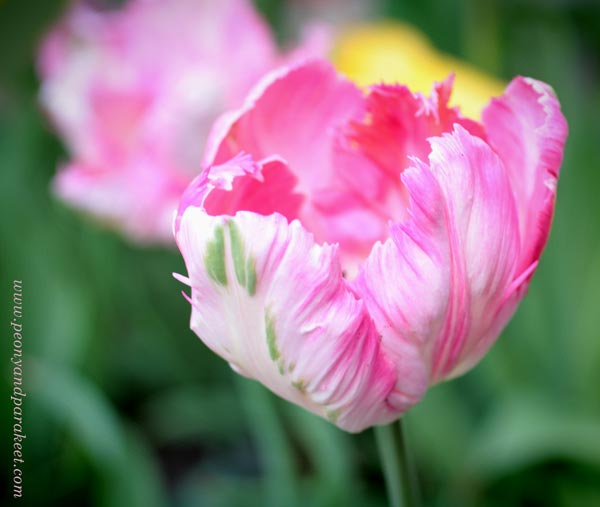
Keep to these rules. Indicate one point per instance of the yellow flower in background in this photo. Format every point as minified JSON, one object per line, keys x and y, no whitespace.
{"x":391,"y":51}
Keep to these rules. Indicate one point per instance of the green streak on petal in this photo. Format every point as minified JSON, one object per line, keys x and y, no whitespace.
{"x":214,"y":260}
{"x":237,"y":251}
{"x":271,"y":337}
{"x":251,"y":275}
{"x":332,"y":415}
{"x":300,"y":385}
{"x":281,"y":366}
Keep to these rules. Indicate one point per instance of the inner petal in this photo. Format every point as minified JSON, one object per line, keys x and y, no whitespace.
{"x":268,"y":190}
{"x":394,"y":131}
{"x":343,"y":182}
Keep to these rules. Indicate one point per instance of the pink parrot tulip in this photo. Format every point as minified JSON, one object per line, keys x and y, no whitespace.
{"x":349,"y":249}
{"x":133,"y":93}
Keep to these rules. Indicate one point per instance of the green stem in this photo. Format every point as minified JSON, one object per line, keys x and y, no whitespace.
{"x":397,"y":464}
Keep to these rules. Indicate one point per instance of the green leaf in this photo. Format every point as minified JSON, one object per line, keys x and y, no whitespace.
{"x":127,"y":468}
{"x":525,"y":431}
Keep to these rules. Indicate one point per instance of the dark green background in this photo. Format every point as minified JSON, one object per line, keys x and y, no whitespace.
{"x":126,"y":407}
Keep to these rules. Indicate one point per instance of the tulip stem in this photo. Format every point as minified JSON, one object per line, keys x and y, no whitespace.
{"x":398,"y":467}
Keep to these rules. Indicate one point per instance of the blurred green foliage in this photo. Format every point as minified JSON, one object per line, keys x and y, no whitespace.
{"x":125,"y":407}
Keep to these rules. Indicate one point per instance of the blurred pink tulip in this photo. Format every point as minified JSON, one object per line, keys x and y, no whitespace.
{"x":134,"y":91}
{"x":350,"y":250}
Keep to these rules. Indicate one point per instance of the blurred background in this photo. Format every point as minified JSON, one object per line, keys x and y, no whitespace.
{"x":126,"y":407}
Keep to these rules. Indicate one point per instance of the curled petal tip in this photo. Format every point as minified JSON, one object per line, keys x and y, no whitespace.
{"x":183,"y":279}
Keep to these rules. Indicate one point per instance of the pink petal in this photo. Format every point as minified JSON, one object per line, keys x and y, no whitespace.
{"x":275,"y":305}
{"x":291,"y":113}
{"x":263,"y":187}
{"x":434,"y":288}
{"x":371,"y":153}
{"x":295,"y":113}
{"x":126,"y":200}
{"x":528,"y":131}
{"x":399,"y":122}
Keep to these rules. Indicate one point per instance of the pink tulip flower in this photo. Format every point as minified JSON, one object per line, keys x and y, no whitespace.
{"x":134,"y":91}
{"x":349,"y":250}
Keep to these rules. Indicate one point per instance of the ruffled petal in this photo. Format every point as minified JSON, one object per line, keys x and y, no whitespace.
{"x":292,"y":112}
{"x":398,"y":124}
{"x":372,"y":152}
{"x":528,"y":131}
{"x":295,"y":113}
{"x":435,"y":287}
{"x":275,"y":305}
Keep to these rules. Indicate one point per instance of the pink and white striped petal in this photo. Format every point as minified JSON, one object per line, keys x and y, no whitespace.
{"x":275,"y":305}
{"x":528,"y":131}
{"x":434,"y":287}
